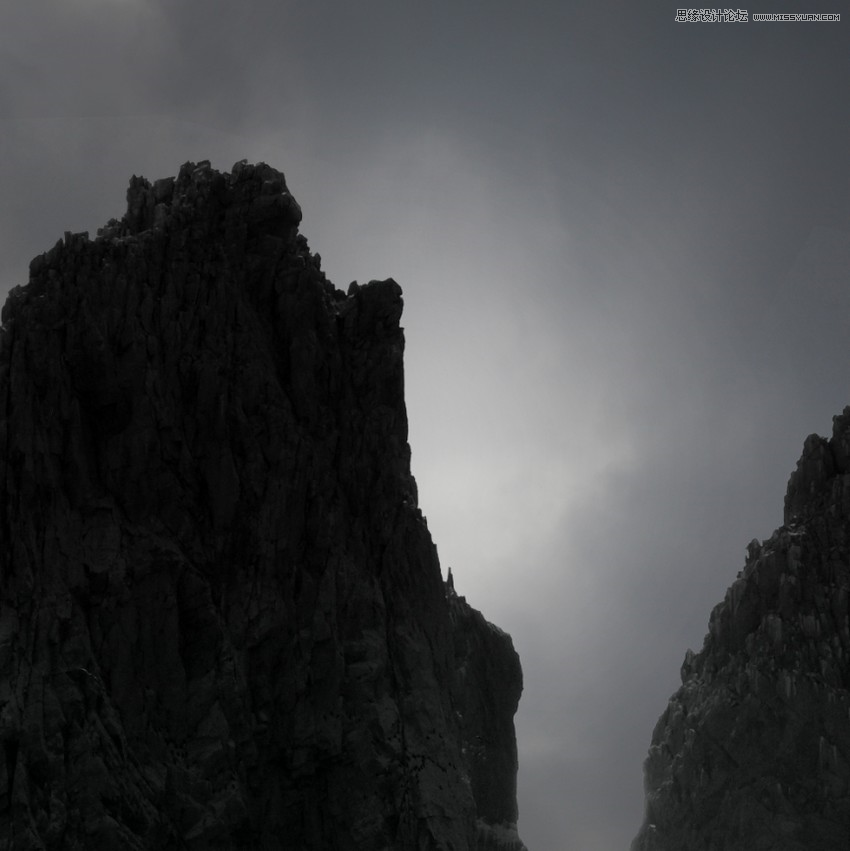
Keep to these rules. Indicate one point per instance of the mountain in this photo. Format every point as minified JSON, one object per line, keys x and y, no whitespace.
{"x":223,"y":623}
{"x":753,"y":751}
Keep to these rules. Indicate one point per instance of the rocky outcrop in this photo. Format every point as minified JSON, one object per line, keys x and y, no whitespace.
{"x":485,"y":716}
{"x":753,"y":751}
{"x":222,"y":621}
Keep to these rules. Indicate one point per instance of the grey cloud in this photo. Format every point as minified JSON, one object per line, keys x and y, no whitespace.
{"x":623,"y":245}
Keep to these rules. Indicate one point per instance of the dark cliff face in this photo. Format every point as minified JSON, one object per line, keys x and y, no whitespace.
{"x":222,"y":622}
{"x":753,"y":751}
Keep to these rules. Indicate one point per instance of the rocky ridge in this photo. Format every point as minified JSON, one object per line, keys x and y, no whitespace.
{"x":223,"y":623}
{"x":753,"y":751}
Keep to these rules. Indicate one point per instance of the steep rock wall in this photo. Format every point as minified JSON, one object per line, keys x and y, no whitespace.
{"x":753,"y":751}
{"x":222,"y":622}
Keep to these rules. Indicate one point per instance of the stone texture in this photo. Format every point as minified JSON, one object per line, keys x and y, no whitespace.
{"x":222,"y":619}
{"x":753,"y":751}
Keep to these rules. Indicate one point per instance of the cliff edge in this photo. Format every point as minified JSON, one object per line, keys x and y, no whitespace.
{"x":223,"y":623}
{"x":753,"y":751}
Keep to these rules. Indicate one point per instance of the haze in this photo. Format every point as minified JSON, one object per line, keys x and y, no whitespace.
{"x":623,"y":243}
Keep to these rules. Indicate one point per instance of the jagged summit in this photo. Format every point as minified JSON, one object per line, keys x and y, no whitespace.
{"x":202,"y":191}
{"x":223,"y":623}
{"x":753,"y":751}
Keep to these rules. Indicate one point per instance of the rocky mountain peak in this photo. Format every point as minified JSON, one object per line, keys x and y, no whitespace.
{"x":223,"y":623}
{"x":753,"y":751}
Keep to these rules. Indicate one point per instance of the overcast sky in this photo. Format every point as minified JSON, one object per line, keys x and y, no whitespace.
{"x":623,"y":243}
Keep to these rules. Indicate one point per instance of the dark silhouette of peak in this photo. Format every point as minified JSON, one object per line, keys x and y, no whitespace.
{"x":753,"y":751}
{"x":223,"y":623}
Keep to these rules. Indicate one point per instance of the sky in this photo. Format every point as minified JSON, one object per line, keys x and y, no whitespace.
{"x":624,"y":246}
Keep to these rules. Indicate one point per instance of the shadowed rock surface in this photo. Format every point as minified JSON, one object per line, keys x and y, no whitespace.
{"x":223,"y":623}
{"x":753,"y":751}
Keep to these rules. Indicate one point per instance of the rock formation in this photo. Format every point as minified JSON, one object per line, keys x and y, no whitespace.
{"x":753,"y":751}
{"x":223,"y":623}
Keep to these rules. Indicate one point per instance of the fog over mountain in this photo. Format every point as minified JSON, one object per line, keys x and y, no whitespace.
{"x":623,"y":245}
